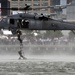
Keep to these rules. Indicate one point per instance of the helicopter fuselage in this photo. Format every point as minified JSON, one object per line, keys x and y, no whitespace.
{"x":34,"y":22}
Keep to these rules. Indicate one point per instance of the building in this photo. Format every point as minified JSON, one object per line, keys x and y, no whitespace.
{"x":33,"y":4}
{"x":55,"y":2}
{"x":71,"y":11}
{"x":63,"y":2}
{"x":4,"y":3}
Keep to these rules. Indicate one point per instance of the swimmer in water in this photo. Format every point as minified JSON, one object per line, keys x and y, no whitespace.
{"x":21,"y":54}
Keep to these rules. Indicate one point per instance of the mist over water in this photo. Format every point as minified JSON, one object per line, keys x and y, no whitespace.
{"x":43,"y":59}
{"x":39,"y":52}
{"x":47,"y":55}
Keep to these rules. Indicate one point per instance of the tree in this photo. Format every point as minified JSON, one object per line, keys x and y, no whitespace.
{"x":44,"y":33}
{"x":71,"y":35}
{"x":53,"y":34}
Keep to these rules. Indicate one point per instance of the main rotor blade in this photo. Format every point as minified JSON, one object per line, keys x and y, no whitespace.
{"x":16,"y":9}
{"x":9,"y":8}
{"x":25,"y":8}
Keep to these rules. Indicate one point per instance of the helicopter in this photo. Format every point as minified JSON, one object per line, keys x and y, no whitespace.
{"x":22,"y":21}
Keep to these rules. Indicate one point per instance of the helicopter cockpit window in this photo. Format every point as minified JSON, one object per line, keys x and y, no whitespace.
{"x":12,"y":21}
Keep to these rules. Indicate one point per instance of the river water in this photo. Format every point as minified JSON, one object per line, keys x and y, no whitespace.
{"x":37,"y":67}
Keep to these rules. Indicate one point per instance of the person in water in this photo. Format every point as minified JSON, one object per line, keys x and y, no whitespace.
{"x":21,"y":54}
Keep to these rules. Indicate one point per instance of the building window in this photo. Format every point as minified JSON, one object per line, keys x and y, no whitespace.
{"x":14,"y":3}
{"x":56,"y":2}
{"x":36,"y":0}
{"x":14,"y":0}
{"x":44,"y":0}
{"x":36,"y":4}
{"x":44,"y":4}
{"x":28,"y":0}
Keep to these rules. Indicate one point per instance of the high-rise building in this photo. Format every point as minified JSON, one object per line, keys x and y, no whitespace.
{"x":33,"y":4}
